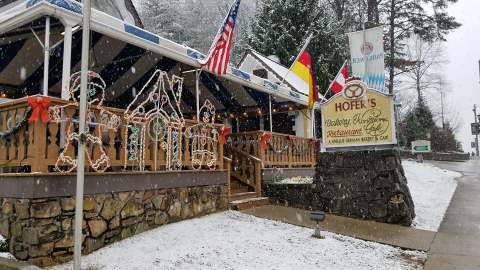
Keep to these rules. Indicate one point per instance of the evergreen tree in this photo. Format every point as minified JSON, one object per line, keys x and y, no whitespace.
{"x":280,"y":28}
{"x":443,"y":140}
{"x":418,"y":124}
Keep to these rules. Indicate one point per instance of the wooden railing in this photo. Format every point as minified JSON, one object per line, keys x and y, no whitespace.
{"x":281,"y":151}
{"x":36,"y":146}
{"x":246,"y":168}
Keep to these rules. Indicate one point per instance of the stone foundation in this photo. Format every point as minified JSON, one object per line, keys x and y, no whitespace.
{"x":40,"y":230}
{"x":362,"y":184}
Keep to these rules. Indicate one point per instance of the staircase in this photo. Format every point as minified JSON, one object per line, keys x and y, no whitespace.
{"x":243,"y":196}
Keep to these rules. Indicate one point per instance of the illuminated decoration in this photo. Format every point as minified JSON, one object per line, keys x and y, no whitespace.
{"x":159,"y":117}
{"x":204,"y":138}
{"x":94,"y":111}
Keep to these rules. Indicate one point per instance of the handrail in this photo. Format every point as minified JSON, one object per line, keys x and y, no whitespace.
{"x":246,"y":154}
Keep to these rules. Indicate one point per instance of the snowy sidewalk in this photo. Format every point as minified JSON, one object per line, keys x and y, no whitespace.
{"x":390,"y":234}
{"x":233,"y":240}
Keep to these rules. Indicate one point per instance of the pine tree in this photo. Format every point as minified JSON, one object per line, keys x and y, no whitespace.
{"x":418,"y":124}
{"x":280,"y":28}
{"x":443,"y":140}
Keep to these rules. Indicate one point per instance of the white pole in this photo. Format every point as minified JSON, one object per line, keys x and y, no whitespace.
{"x":270,"y":112}
{"x":81,"y":143}
{"x":312,"y":118}
{"x":46,"y":56}
{"x":67,"y":56}
{"x":309,"y":38}
{"x":197,"y":92}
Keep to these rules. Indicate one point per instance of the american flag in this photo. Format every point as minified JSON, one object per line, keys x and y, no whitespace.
{"x":219,"y":53}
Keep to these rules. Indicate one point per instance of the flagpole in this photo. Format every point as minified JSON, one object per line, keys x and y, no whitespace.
{"x":307,"y":41}
{"x":81,"y":131}
{"x":334,"y":79}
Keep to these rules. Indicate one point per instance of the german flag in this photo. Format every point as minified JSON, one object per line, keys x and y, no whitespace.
{"x":303,"y":68}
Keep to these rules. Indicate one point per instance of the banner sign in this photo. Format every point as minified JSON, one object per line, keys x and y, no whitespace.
{"x":358,"y":116}
{"x":368,"y":57}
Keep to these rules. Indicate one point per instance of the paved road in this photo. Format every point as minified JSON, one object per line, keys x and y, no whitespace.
{"x":457,"y":243}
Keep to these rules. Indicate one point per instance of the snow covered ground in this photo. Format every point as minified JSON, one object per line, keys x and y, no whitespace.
{"x":233,"y":240}
{"x":432,"y":189}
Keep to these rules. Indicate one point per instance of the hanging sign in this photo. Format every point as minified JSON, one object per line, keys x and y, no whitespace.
{"x":358,"y":116}
{"x":368,"y":57}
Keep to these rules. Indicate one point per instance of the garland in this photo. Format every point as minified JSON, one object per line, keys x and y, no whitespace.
{"x":6,"y":135}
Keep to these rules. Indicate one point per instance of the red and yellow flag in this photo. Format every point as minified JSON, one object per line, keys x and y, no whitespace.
{"x":304,"y":70}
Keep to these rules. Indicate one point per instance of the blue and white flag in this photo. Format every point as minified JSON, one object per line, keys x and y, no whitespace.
{"x":368,"y":57}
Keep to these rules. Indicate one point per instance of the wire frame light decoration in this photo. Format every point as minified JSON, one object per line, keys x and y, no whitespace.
{"x":204,"y":138}
{"x":155,"y":112}
{"x":98,"y":118}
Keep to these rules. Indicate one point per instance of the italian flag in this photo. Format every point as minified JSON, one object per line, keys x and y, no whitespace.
{"x":303,"y":69}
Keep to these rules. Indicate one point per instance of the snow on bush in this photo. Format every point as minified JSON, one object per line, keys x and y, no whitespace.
{"x":4,"y":248}
{"x":233,"y":240}
{"x":296,"y":180}
{"x":432,"y":189}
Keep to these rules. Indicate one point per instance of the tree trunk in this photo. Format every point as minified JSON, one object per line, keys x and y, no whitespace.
{"x":391,"y":64}
{"x":372,"y":13}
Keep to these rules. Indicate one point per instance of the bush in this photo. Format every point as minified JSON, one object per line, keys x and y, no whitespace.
{"x":3,"y":244}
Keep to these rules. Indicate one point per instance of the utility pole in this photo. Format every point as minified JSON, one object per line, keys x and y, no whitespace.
{"x":476,"y":123}
{"x":441,"y":100}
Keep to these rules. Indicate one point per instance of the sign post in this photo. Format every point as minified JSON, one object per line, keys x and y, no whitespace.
{"x":419,"y":147}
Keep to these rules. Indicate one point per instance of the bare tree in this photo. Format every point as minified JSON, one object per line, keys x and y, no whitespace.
{"x":420,"y":67}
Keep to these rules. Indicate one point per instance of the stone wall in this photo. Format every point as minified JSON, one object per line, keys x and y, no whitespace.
{"x":361,"y":184}
{"x":438,"y":156}
{"x":40,"y":230}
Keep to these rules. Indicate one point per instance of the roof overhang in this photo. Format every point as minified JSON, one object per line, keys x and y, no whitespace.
{"x":70,"y":12}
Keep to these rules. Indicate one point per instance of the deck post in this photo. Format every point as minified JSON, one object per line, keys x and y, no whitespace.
{"x":197,"y":92}
{"x":46,"y":56}
{"x":67,"y":56}
{"x":270,"y":111}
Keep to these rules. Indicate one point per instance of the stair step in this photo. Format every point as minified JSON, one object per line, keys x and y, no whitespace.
{"x":249,"y":203}
{"x":242,"y":195}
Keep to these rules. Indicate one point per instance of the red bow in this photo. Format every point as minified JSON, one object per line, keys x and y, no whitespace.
{"x":291,"y":137}
{"x":264,"y":139}
{"x":39,"y":107}
{"x":224,"y":133}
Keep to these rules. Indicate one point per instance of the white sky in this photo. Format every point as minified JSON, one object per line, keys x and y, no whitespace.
{"x":463,"y":48}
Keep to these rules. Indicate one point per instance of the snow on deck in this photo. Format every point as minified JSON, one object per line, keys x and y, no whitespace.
{"x":432,"y":189}
{"x":233,"y":240}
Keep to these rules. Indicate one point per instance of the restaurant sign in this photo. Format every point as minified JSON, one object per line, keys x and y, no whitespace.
{"x":358,"y":116}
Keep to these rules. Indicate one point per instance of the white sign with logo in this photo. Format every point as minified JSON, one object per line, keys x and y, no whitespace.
{"x":368,"y":57}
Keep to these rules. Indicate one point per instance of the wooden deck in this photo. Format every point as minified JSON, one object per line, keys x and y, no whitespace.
{"x":36,"y":147}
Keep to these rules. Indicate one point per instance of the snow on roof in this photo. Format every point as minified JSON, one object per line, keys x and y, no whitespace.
{"x":282,"y":71}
